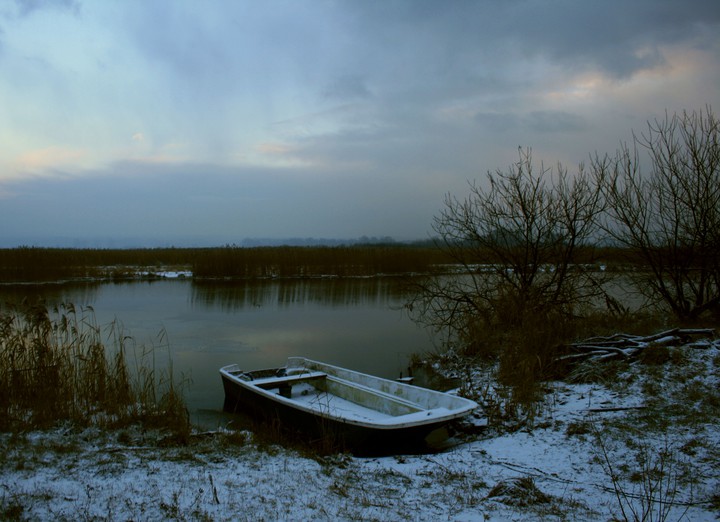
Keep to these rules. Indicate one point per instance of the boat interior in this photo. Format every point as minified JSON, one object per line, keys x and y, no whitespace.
{"x":329,"y":394}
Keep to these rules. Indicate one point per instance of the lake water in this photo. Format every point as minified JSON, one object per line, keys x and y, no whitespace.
{"x":199,"y":327}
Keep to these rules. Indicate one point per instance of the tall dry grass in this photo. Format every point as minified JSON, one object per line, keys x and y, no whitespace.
{"x":521,"y":347}
{"x":52,"y":264}
{"x":59,"y":365}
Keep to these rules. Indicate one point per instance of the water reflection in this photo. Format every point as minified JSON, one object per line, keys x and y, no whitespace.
{"x":229,"y":296}
{"x":52,"y":294}
{"x":199,"y":327}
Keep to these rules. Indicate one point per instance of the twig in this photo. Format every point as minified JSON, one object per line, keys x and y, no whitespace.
{"x":618,"y":408}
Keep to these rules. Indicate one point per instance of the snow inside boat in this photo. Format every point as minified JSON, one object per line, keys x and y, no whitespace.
{"x":359,"y":410}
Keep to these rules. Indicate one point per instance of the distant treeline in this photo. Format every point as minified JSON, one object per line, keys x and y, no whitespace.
{"x":51,"y":264}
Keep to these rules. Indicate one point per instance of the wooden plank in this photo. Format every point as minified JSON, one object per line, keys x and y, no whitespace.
{"x":276,"y":382}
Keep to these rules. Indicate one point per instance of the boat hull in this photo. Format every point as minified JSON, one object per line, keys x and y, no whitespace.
{"x":329,"y":430}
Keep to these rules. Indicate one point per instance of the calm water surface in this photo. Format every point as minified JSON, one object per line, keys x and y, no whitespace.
{"x":200,"y":327}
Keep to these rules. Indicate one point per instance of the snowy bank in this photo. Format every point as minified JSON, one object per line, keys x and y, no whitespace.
{"x":649,"y":420}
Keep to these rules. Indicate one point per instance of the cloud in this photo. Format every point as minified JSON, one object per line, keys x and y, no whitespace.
{"x":54,"y":158}
{"x":617,"y":36}
{"x":26,"y":7}
{"x":555,"y":121}
{"x":175,"y":201}
{"x":279,"y":149}
{"x":347,"y":87}
{"x":498,"y":121}
{"x":541,"y":122}
{"x":276,"y":154}
{"x":302,"y":114}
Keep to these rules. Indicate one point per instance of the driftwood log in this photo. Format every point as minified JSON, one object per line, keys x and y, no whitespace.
{"x":624,"y":346}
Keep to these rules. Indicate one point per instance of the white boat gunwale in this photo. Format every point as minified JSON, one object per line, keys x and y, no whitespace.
{"x":417,"y":415}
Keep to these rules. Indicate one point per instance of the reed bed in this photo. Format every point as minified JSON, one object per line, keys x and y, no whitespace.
{"x":51,"y":264}
{"x":55,"y":366}
{"x":26,"y":264}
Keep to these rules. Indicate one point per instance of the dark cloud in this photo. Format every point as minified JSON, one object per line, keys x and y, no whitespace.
{"x":618,"y":36}
{"x":405,"y":55}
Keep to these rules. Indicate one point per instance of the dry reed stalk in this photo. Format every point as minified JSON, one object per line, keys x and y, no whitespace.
{"x":54,"y":367}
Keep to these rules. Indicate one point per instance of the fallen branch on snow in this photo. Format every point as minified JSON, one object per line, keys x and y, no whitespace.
{"x":624,"y":346}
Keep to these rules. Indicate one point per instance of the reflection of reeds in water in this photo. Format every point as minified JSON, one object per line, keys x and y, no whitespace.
{"x":345,"y":261}
{"x":235,"y":295}
{"x":55,"y":367}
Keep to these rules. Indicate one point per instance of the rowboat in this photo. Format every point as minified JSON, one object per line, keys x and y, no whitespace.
{"x":360,"y":412}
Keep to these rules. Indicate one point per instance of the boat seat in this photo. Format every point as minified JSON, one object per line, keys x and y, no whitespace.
{"x":288,"y":380}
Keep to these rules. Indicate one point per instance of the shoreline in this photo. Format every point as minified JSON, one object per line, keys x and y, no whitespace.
{"x":552,"y":470}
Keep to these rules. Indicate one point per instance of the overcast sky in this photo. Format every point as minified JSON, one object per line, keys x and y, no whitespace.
{"x":156,"y":123}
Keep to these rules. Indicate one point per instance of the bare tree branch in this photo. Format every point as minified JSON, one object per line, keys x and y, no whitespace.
{"x":670,"y":216}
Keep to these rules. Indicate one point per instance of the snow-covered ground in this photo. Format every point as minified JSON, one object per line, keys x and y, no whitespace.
{"x":651,"y":418}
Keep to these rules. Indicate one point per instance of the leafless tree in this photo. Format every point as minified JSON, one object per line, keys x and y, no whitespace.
{"x":516,"y":244}
{"x":669,"y":216}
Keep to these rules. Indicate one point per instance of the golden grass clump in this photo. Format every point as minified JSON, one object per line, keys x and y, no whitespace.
{"x":55,"y":367}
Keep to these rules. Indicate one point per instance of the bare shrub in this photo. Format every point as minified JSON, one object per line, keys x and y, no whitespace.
{"x":518,"y":245}
{"x":667,"y":217}
{"x":522,"y":246}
